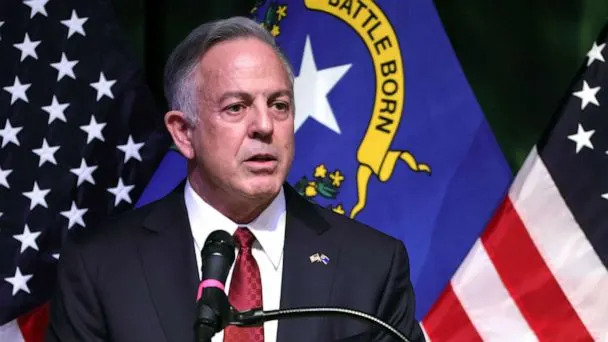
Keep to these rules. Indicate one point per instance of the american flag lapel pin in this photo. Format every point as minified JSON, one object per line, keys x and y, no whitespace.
{"x":319,"y":257}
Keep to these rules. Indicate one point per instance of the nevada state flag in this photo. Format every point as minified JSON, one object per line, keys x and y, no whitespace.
{"x":388,"y":130}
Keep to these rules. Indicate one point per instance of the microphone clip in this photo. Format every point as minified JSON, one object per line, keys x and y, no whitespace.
{"x":249,"y":318}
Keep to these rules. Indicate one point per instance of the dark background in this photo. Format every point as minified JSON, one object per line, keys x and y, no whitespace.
{"x":519,"y":56}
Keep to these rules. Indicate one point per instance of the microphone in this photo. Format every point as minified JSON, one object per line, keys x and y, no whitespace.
{"x":213,"y":308}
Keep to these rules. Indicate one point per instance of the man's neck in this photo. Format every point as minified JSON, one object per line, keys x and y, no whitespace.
{"x":239,"y":209}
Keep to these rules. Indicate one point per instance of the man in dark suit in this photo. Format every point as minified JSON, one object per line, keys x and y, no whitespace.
{"x":135,"y":278}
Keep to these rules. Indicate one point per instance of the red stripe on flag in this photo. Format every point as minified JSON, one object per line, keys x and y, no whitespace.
{"x":528,"y":279}
{"x":447,"y":320}
{"x":33,"y":324}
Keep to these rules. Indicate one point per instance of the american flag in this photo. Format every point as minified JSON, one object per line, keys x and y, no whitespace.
{"x":79,"y":139}
{"x":539,"y":271}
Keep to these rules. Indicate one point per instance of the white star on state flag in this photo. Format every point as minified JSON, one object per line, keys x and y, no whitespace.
{"x":131,"y":149}
{"x":605,"y":196}
{"x":103,"y":87}
{"x":9,"y":134}
{"x":311,"y":88}
{"x":121,"y":192}
{"x":55,"y":256}
{"x":19,"y":281}
{"x":84,"y":172}
{"x":37,"y":196}
{"x":27,"y":47}
{"x":93,"y":129}
{"x":582,"y":138}
{"x":18,"y":90}
{"x":3,"y":175}
{"x":37,"y":6}
{"x":74,"y":215}
{"x":65,"y":67}
{"x":27,"y":239}
{"x":74,"y":24}
{"x":46,"y":153}
{"x":595,"y":54}
{"x":55,"y":110}
{"x":587,"y":95}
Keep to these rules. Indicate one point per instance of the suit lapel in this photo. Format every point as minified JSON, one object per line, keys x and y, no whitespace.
{"x":169,"y":264}
{"x":305,"y":283}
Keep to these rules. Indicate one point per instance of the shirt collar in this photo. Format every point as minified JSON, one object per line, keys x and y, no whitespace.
{"x":268,"y":228}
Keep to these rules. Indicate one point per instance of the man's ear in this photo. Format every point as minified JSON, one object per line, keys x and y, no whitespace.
{"x":180,"y":131}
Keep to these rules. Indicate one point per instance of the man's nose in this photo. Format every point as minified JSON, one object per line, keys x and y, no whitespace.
{"x":262,"y":123}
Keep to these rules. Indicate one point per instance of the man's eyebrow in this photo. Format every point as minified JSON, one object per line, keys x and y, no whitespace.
{"x":279,"y":93}
{"x":234,"y":94}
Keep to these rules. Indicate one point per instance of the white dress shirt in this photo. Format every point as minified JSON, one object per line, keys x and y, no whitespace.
{"x":269,"y":231}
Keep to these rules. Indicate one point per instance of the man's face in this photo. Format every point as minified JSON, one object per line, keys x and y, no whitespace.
{"x":244,"y":139}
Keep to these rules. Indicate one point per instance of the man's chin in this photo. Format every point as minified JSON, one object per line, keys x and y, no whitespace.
{"x":263,"y":189}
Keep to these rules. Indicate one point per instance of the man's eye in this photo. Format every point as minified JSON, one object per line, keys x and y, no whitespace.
{"x":281,"y":106}
{"x":235,"y":108}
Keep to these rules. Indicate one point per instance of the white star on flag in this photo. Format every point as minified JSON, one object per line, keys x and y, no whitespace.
{"x":37,"y":196}
{"x":55,"y":110}
{"x":311,"y":88}
{"x":19,"y":281}
{"x":582,"y":138}
{"x":55,"y":256}
{"x":9,"y":134}
{"x":605,"y":196}
{"x":131,"y":149}
{"x":74,"y":215}
{"x":84,"y":172}
{"x":93,"y":129}
{"x":27,"y":239}
{"x":595,"y":54}
{"x":65,"y":67}
{"x":74,"y":24}
{"x":46,"y":153}
{"x":27,"y":48}
{"x":18,"y":90}
{"x":103,"y":87}
{"x":121,"y":192}
{"x":587,"y":95}
{"x":36,"y":6}
{"x":3,"y":175}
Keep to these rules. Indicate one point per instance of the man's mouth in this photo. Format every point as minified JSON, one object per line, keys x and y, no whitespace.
{"x":262,"y":162}
{"x":261,"y":158}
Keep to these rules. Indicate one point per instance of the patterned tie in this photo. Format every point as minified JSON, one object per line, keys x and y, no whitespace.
{"x":245,"y":288}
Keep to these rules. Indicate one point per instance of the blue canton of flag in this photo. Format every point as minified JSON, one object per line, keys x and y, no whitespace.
{"x":79,"y":140}
{"x":387,"y":129}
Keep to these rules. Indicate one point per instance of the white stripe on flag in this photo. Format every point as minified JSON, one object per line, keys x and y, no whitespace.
{"x":562,"y":244}
{"x":486,"y":301}
{"x":10,"y":332}
{"x":426,"y":336}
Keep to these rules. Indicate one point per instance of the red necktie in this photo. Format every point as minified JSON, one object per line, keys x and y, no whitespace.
{"x":245,"y":288}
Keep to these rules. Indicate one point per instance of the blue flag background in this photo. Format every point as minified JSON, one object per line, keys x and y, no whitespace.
{"x":435,"y":172}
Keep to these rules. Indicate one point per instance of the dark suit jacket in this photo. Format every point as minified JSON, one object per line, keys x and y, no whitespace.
{"x":135,"y":278}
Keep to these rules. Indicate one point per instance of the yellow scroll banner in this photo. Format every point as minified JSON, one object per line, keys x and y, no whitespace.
{"x":374,"y":28}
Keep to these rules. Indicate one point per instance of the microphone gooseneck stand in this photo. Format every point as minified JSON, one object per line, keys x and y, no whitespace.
{"x":256,"y":317}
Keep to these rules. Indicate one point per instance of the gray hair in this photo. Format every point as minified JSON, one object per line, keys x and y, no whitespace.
{"x":180,"y":89}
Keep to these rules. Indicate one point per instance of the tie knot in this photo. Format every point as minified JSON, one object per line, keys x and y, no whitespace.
{"x":244,"y":238}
